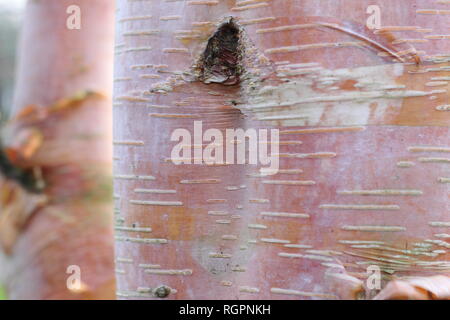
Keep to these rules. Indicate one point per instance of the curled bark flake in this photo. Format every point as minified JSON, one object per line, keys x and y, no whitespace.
{"x":17,"y":205}
{"x":33,"y":114}
{"x":30,"y":179}
{"x":420,"y":288}
{"x":344,"y":285}
{"x":75,"y":100}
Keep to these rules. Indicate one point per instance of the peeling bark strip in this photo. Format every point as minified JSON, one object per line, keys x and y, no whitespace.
{"x":55,"y":177}
{"x":362,"y":183}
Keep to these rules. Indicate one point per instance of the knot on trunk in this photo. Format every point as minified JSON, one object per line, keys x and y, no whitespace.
{"x":221,"y":60}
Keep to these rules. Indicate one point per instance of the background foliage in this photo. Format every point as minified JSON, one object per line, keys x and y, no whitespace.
{"x":10,"y":19}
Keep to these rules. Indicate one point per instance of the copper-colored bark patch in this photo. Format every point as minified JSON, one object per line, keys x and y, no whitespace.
{"x":16,"y":207}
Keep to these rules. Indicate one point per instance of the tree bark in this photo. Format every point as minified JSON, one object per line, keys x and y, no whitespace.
{"x":363,"y":121}
{"x":56,"y":204}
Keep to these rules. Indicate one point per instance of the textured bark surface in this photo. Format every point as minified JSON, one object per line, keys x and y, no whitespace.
{"x":363,"y":119}
{"x":56,"y":206}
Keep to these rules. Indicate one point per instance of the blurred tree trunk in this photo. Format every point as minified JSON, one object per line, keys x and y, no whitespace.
{"x":363,"y":119}
{"x":56,"y":206}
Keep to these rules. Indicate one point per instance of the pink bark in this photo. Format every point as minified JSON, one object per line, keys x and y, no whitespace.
{"x":364,"y":145}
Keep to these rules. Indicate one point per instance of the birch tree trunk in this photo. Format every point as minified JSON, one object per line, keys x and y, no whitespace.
{"x":56,"y":207}
{"x":363,"y":120}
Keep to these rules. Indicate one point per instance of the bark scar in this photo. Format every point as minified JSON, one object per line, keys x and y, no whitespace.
{"x":221,"y":61}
